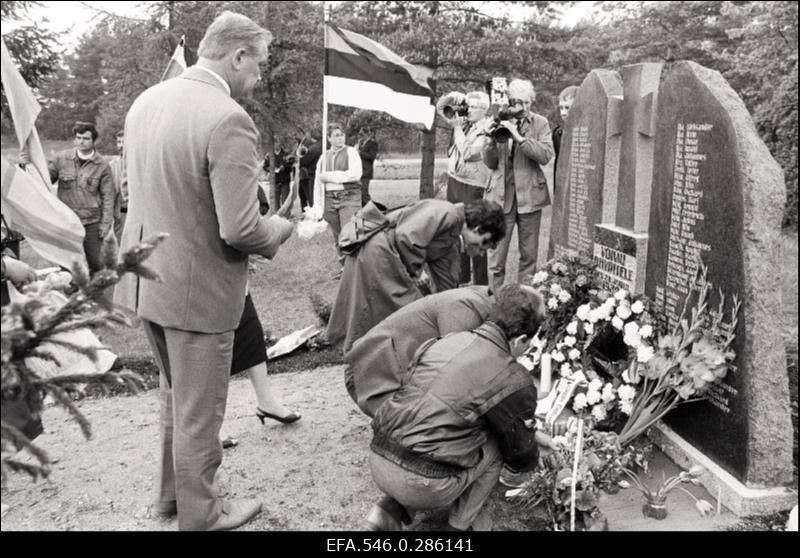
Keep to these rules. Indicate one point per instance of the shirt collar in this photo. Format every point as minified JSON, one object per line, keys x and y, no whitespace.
{"x":218,"y":77}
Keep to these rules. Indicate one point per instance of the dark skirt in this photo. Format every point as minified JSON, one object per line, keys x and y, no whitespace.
{"x":249,"y":348}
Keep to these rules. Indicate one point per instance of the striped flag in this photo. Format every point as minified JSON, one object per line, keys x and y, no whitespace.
{"x":362,"y":73}
{"x":176,"y":64}
{"x":30,"y":204}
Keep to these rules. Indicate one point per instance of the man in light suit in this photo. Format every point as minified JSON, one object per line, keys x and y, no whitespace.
{"x":517,"y":181}
{"x":192,"y":164}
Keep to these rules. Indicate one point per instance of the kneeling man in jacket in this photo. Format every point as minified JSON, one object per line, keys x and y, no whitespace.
{"x":464,"y":407}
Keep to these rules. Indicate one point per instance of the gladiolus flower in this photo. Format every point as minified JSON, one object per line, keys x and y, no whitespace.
{"x":552,"y":303}
{"x":558,"y":356}
{"x":593,"y":397}
{"x":564,"y":296}
{"x":626,"y":407}
{"x":579,"y":403}
{"x":578,"y":376}
{"x":617,"y":323}
{"x":646,"y":331}
{"x":583,"y":312}
{"x":596,"y":385}
{"x":570,"y":341}
{"x":566,"y":370}
{"x":608,"y":393}
{"x":588,"y":328}
{"x":580,"y":280}
{"x":621,"y":294}
{"x":555,"y":288}
{"x":572,"y":328}
{"x":574,"y":354}
{"x":637,"y":307}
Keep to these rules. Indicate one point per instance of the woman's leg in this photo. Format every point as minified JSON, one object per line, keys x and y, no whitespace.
{"x":261,"y":385}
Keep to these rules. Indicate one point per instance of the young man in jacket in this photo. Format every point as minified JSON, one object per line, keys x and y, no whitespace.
{"x":465,"y":406}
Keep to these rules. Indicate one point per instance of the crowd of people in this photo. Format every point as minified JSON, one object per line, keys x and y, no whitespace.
{"x":427,"y":325}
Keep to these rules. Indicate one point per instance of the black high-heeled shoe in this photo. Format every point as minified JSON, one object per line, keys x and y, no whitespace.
{"x":288,"y":419}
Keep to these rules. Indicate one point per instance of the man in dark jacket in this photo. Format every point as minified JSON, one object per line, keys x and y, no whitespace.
{"x":465,"y":406}
{"x":308,"y":168}
{"x":368,"y":151}
{"x":378,"y":361}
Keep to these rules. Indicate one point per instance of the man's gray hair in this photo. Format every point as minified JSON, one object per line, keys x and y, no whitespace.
{"x":521,"y":89}
{"x":231,"y":31}
{"x":479,"y":96}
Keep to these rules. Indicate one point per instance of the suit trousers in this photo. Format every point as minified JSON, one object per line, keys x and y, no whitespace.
{"x":466,"y":492}
{"x":92,"y":243}
{"x":528,"y":235}
{"x":194,"y":372}
{"x":459,"y":192}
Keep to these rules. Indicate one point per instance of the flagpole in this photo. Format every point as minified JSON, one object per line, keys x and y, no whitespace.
{"x":325,"y":19}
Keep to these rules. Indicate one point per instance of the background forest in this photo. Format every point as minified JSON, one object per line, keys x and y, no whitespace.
{"x":752,"y":44}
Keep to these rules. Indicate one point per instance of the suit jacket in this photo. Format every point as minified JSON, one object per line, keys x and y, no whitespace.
{"x":192,"y":164}
{"x":529,"y":158}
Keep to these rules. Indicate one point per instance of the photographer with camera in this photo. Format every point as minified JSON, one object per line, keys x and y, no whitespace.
{"x":520,"y":146}
{"x":467,"y":176}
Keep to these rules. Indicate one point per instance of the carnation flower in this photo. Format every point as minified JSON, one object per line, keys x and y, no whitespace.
{"x":593,"y":397}
{"x":632,"y":340}
{"x":608,"y":393}
{"x":599,"y":413}
{"x":552,"y":303}
{"x":581,"y":280}
{"x":646,"y":331}
{"x":596,"y":385}
{"x":559,"y":268}
{"x":644,"y":353}
{"x":637,"y":307}
{"x":574,"y":354}
{"x":588,"y":328}
{"x":630,"y":375}
{"x":566,"y":370}
{"x":626,"y":407}
{"x":626,"y":392}
{"x":595,"y":315}
{"x":557,"y":356}
{"x":624,"y":311}
{"x":570,"y":341}
{"x":539,"y":277}
{"x":617,"y":323}
{"x":572,"y":328}
{"x":579,"y":403}
{"x":621,"y":294}
{"x":583,"y":312}
{"x":555,"y":288}
{"x":564,"y":296}
{"x":631,"y":328}
{"x":578,"y":376}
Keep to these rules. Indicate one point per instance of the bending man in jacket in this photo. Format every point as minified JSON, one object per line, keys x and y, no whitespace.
{"x":465,"y":406}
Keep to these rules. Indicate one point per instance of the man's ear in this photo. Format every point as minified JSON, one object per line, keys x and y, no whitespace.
{"x":238,"y":58}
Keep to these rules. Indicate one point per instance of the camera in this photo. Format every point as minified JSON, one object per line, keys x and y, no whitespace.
{"x":461,"y":109}
{"x":497,"y":88}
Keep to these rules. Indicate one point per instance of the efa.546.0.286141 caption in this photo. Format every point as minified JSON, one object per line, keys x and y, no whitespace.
{"x":410,"y":544}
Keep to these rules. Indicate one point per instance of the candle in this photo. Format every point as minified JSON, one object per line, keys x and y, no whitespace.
{"x":545,"y":376}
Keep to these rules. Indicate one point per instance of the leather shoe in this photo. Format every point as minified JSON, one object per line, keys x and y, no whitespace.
{"x":235,"y":513}
{"x":288,"y":419}
{"x":165,"y":511}
{"x":381,"y":520}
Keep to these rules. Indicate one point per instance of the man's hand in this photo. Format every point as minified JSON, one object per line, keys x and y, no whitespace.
{"x":18,"y":272}
{"x":422,"y":280}
{"x":511,"y":126}
{"x":544,"y":442}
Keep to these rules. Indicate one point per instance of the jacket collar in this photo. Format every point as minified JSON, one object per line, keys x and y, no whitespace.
{"x":96,"y":158}
{"x":492,"y":332}
{"x":196,"y":73}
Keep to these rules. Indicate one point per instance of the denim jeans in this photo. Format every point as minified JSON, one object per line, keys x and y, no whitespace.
{"x":466,"y":492}
{"x":340,"y":206}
